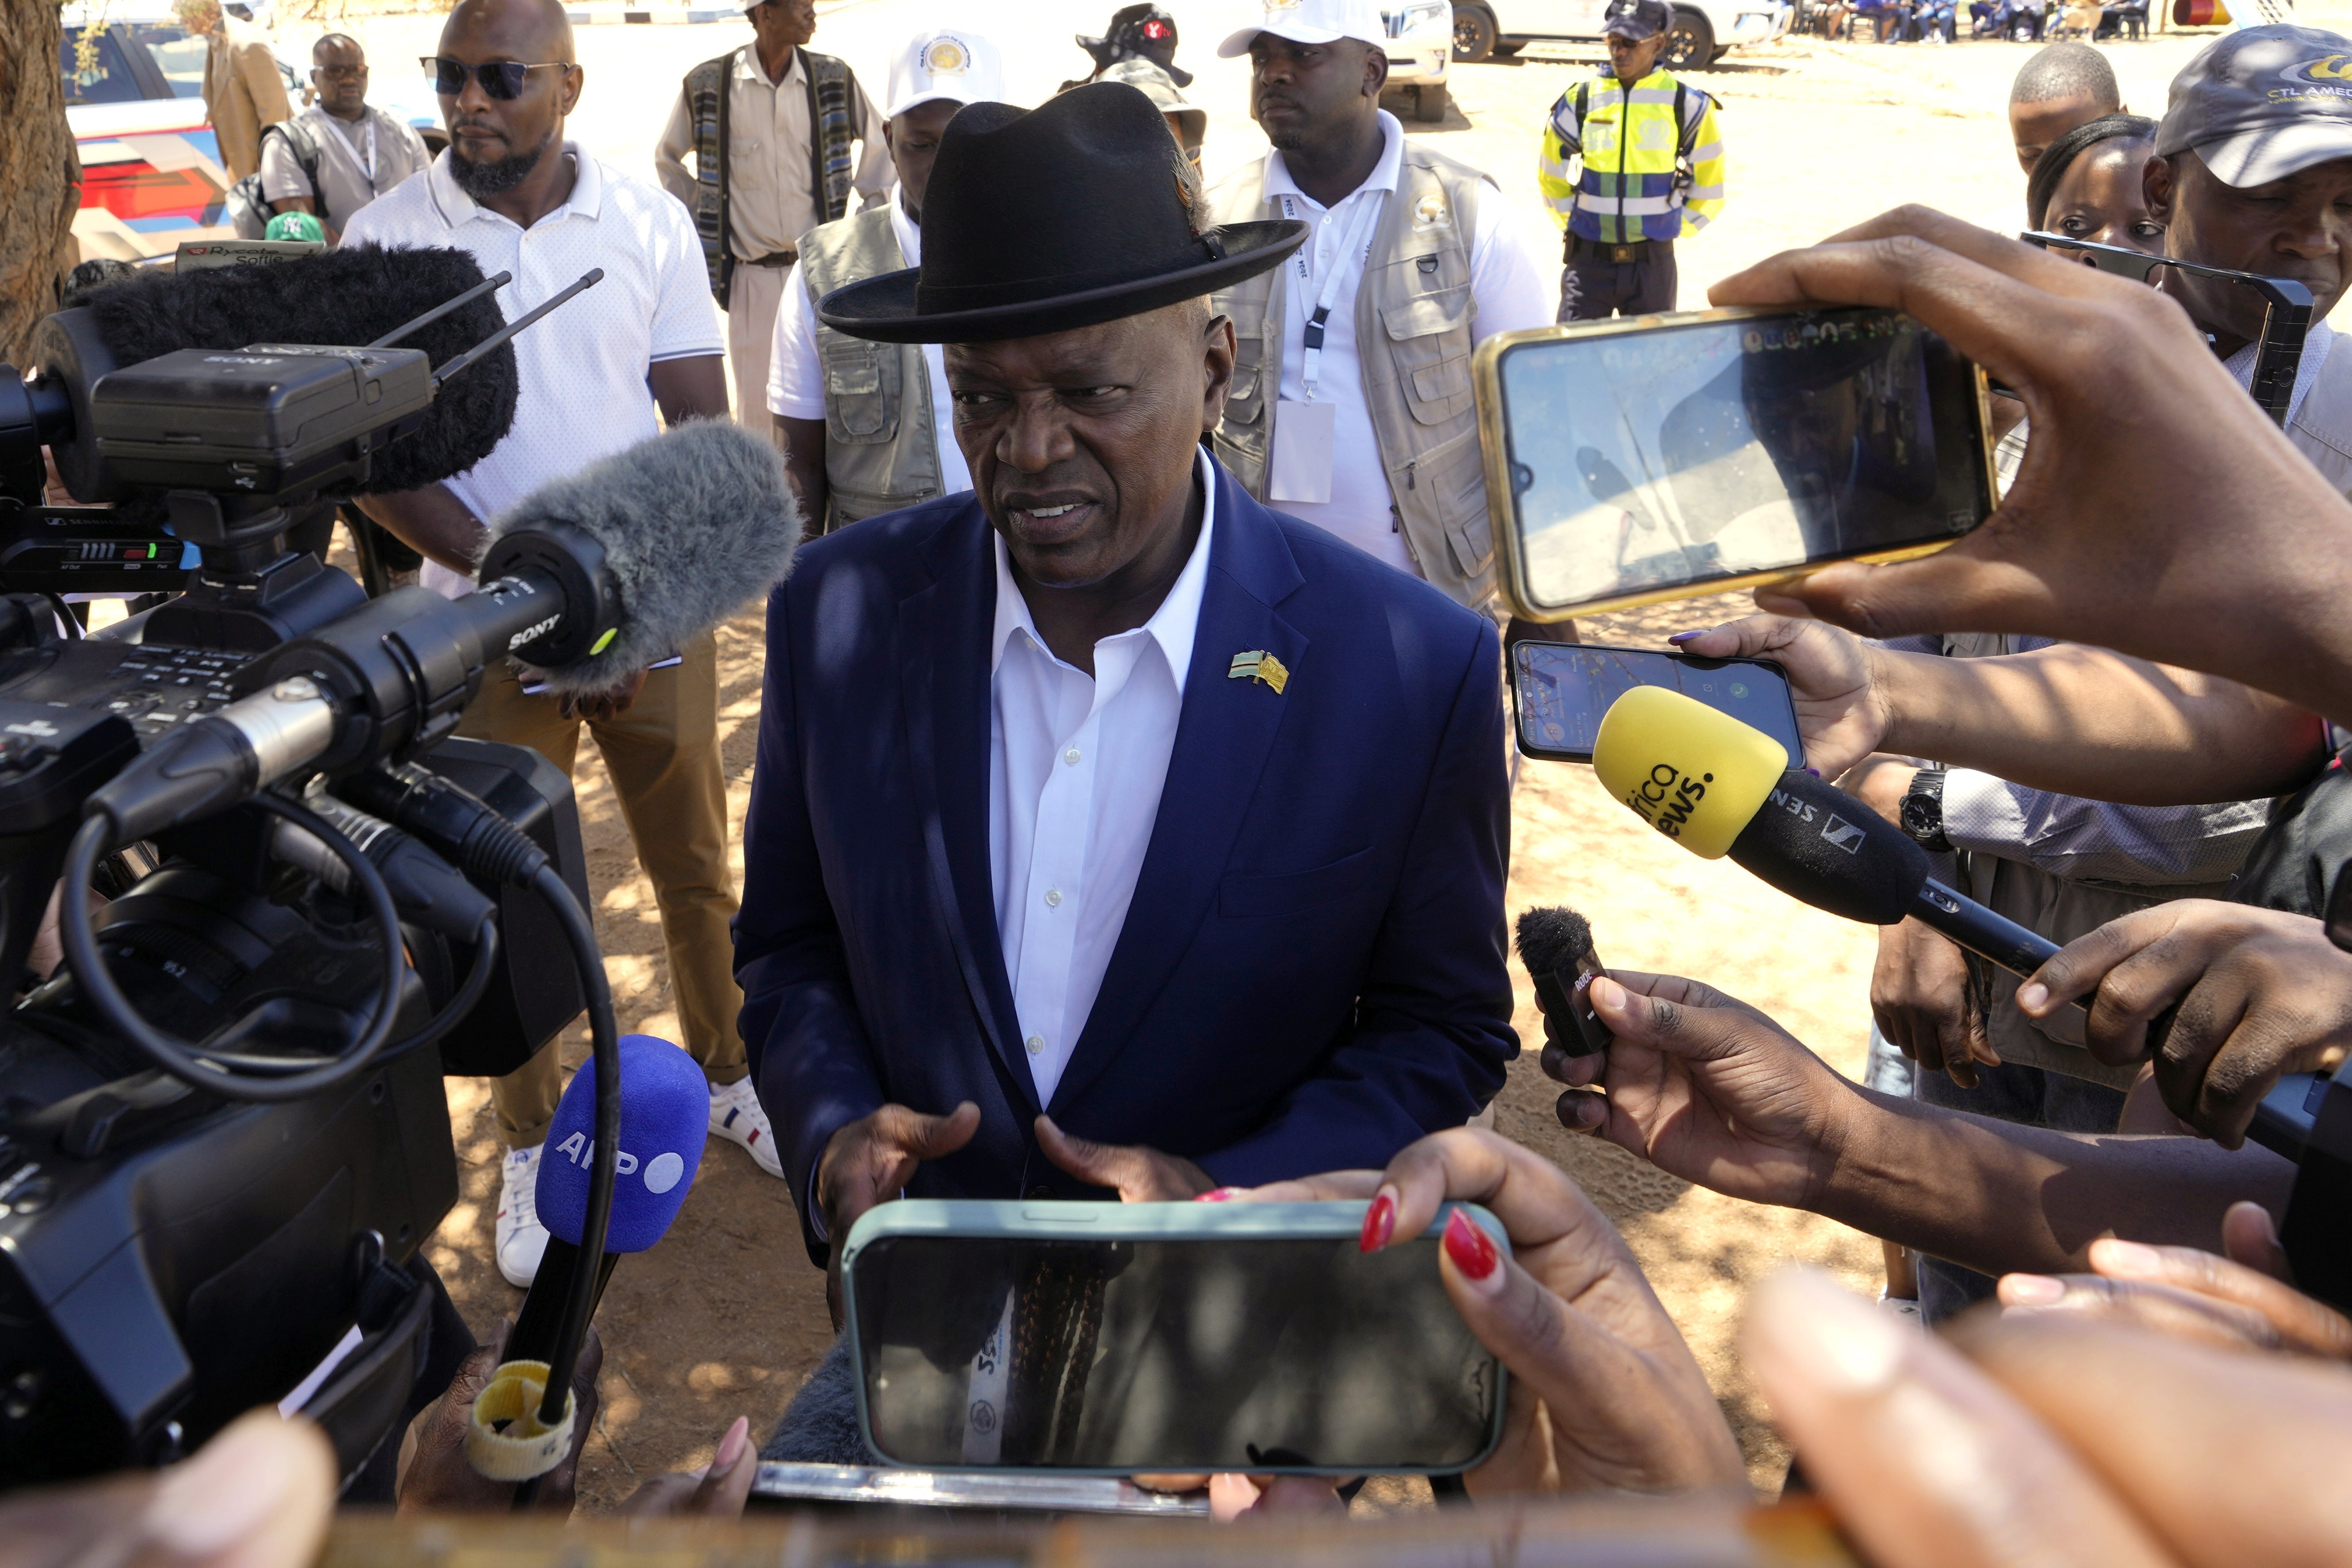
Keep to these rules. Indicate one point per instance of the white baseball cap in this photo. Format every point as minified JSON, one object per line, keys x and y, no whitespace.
{"x":1312,"y":22}
{"x":944,"y":62}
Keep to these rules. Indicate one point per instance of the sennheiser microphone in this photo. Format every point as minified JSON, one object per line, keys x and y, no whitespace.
{"x":1719,"y":787}
{"x":589,"y":578}
{"x":664,"y":1121}
{"x":1556,"y":944}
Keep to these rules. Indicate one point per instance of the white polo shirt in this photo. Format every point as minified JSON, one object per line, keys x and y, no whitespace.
{"x":585,"y":393}
{"x":1510,"y":288}
{"x":796,"y":375}
{"x":1076,"y":765}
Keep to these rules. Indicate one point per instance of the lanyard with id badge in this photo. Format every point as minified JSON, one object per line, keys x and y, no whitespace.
{"x":1304,"y":431}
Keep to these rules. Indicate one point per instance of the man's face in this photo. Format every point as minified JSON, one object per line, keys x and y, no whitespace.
{"x":2033,"y":126}
{"x":495,"y":142}
{"x":339,"y":75}
{"x":1081,"y":443}
{"x":914,"y":138}
{"x":1299,"y":92}
{"x":784,"y":24}
{"x":1630,"y":61}
{"x":2298,"y":227}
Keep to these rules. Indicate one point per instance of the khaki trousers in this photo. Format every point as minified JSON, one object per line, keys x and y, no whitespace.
{"x":754,"y":295}
{"x":663,"y":755}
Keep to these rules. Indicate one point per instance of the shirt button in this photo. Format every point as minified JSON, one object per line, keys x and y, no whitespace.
{"x":1071,"y":757}
{"x":1053,"y":897}
{"x":1036,"y":1043}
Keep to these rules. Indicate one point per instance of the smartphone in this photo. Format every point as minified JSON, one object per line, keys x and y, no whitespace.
{"x":1116,"y":1338}
{"x":1631,"y":462}
{"x":2287,"y":308}
{"x":1561,"y":690}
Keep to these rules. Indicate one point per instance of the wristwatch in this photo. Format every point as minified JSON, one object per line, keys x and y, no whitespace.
{"x":1923,"y":811}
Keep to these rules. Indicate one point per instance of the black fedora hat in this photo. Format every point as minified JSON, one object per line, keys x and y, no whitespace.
{"x":1043,"y":220}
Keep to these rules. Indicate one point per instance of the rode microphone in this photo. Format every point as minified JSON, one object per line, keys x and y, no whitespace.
{"x":520,"y":1423}
{"x":589,"y":578}
{"x":1556,"y":944}
{"x":1719,"y":787}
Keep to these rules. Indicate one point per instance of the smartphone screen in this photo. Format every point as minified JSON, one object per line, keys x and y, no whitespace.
{"x":1561,"y":691}
{"x":1647,"y":464}
{"x":1180,"y":1353}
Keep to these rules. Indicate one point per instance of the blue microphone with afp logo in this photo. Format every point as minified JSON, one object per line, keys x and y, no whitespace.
{"x":665,"y":1120}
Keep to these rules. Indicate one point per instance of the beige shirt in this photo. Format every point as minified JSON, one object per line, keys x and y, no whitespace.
{"x":243,"y":92}
{"x":770,"y":203}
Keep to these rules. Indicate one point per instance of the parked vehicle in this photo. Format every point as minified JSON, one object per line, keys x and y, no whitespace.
{"x":151,"y":174}
{"x":1704,"y":30}
{"x":1420,"y":47}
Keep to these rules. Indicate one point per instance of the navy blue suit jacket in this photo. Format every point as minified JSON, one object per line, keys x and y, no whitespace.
{"x":1311,"y":974}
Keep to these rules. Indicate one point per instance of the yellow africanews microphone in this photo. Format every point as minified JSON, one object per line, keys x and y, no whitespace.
{"x":1696,"y":775}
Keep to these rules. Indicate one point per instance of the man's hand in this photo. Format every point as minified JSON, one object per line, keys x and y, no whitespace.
{"x":605,"y":704}
{"x":2234,"y":1302}
{"x":1604,"y":1395}
{"x":2260,"y":994}
{"x":1834,"y":682}
{"x":870,"y":1160}
{"x":1710,"y":1090}
{"x":1926,"y":1004}
{"x":1141,"y":1175}
{"x":436,"y":1477}
{"x":2157,"y":511}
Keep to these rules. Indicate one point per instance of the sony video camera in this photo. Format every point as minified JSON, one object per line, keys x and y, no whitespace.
{"x":223,"y":1136}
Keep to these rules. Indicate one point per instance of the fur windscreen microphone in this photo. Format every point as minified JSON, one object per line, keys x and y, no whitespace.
{"x":664,"y":1121}
{"x":694,"y":524}
{"x":343,"y":299}
{"x":1556,"y":944}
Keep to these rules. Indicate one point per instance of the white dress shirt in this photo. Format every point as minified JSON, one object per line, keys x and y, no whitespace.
{"x":796,"y":375}
{"x":584,"y":392}
{"x":1075,"y":768}
{"x":1511,"y":289}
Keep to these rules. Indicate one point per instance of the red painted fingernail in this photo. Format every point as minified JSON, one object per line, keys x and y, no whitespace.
{"x":1219,"y":1196}
{"x":1379,"y":1224}
{"x":1472,"y":1249}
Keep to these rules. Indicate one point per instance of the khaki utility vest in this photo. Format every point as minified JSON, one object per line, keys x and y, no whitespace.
{"x":1414,"y":312}
{"x":881,"y":452}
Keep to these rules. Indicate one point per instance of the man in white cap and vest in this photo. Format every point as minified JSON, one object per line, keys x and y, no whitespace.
{"x":1350,"y":406}
{"x":780,"y":137}
{"x":867,"y":427}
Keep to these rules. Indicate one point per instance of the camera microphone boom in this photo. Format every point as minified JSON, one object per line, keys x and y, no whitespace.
{"x":590,"y":579}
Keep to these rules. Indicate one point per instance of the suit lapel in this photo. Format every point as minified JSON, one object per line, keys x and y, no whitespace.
{"x":943,"y":631}
{"x":1223,"y":735}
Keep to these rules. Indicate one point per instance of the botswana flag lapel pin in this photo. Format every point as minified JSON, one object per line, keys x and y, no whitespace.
{"x":1256,"y":664}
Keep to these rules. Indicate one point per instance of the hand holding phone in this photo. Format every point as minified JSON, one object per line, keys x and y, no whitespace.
{"x":1561,"y":690}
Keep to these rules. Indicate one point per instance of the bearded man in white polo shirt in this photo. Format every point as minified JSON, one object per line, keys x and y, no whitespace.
{"x":522,"y":200}
{"x":866,"y":427}
{"x":1351,"y":406}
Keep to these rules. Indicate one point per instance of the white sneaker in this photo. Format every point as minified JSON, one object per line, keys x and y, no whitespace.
{"x":522,"y":1240}
{"x":736,"y":1116}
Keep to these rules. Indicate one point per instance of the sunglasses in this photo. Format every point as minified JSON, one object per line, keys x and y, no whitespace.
{"x":500,"y":79}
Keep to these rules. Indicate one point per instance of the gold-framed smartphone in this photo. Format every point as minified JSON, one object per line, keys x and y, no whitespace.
{"x":1639,"y":459}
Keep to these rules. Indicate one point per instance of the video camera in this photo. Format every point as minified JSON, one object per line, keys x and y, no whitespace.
{"x":221,"y":1132}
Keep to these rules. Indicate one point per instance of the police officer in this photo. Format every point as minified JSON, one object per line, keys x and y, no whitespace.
{"x":1651,"y":171}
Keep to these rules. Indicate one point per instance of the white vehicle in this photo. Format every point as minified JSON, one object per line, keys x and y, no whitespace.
{"x":1704,"y":30}
{"x":1420,"y":45}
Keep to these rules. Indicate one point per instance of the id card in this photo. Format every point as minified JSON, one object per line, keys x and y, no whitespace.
{"x":1303,"y":433}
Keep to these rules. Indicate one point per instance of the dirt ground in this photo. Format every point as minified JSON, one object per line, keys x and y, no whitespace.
{"x":726,"y":1316}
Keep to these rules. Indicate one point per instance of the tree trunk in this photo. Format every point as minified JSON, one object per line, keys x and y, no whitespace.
{"x":40,"y":177}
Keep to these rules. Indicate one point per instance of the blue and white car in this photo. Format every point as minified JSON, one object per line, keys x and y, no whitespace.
{"x":152,"y":172}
